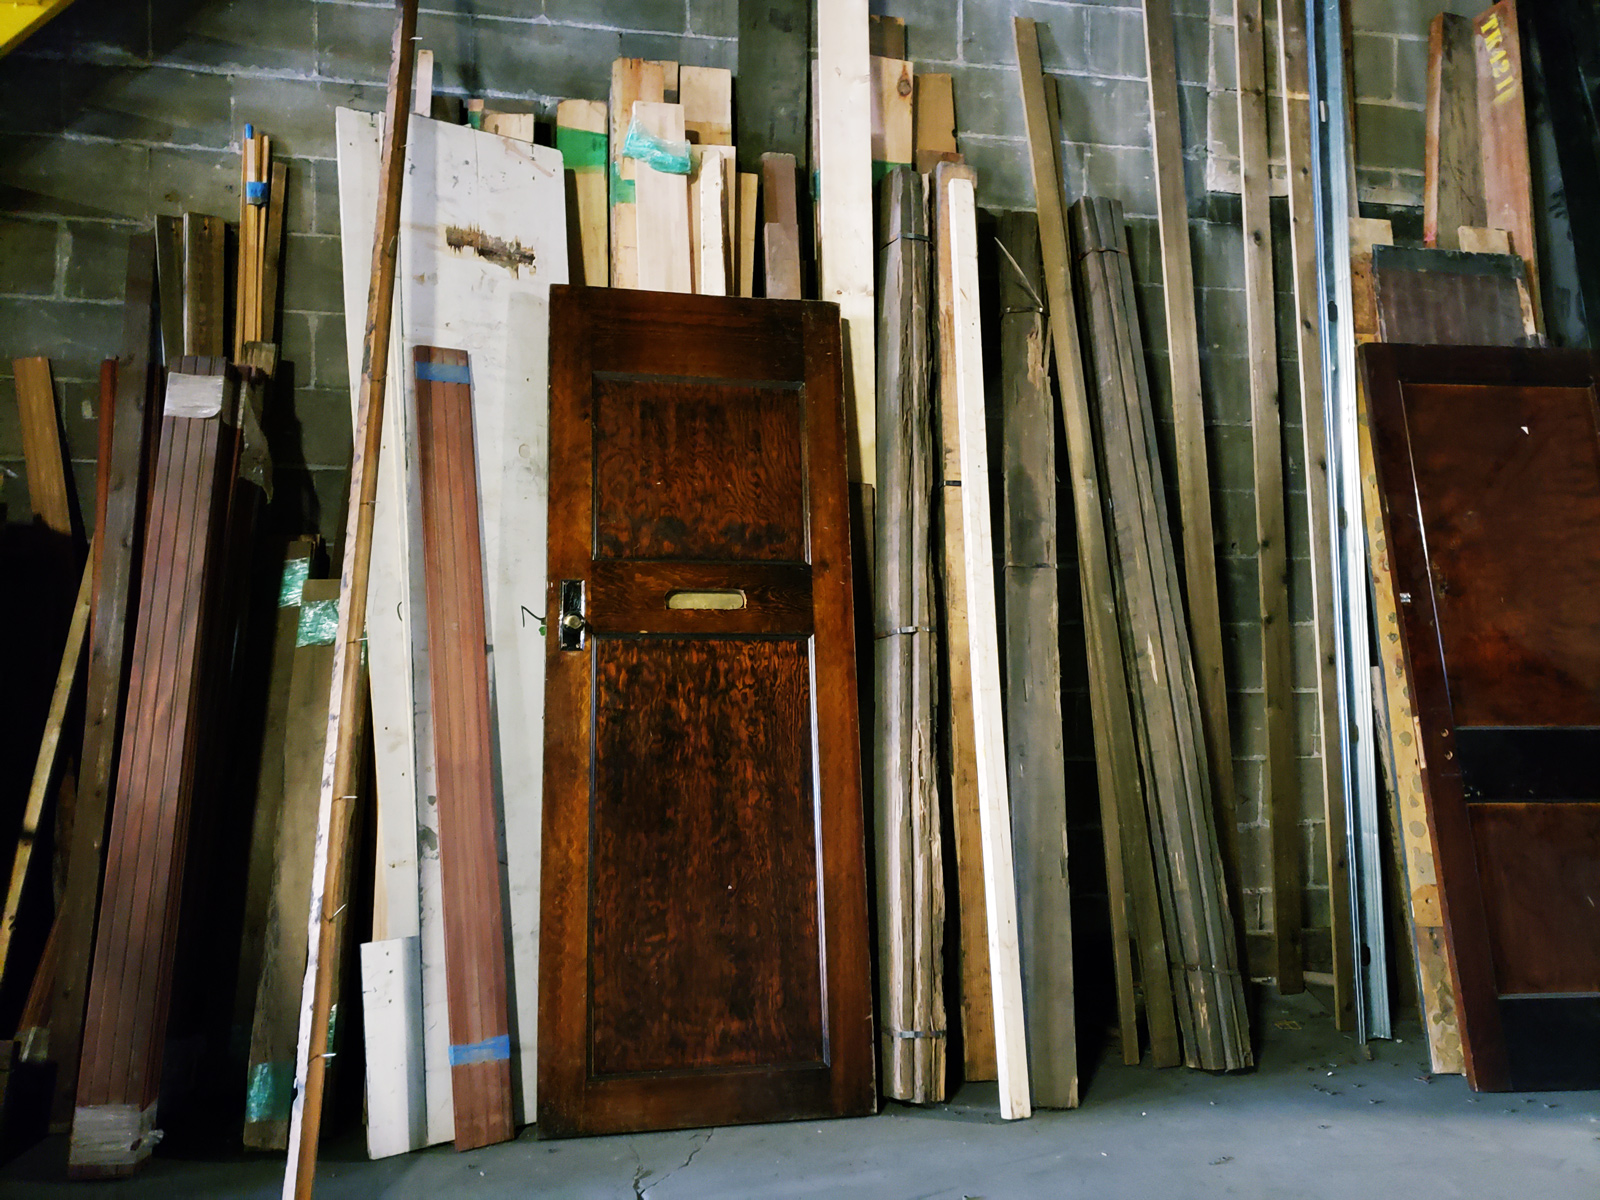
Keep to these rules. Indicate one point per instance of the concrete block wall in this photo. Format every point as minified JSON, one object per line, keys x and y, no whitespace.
{"x":123,"y":109}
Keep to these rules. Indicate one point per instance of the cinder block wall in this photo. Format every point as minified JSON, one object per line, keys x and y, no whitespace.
{"x":123,"y":109}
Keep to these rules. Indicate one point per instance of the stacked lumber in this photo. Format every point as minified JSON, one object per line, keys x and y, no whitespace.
{"x":1201,"y":934}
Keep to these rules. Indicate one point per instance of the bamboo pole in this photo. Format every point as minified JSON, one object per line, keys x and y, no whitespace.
{"x":346,"y":711}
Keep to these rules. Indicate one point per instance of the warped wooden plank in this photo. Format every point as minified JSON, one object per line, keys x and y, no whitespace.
{"x":1188,"y":414}
{"x":275,"y":1024}
{"x":581,"y":139}
{"x":706,"y":94}
{"x":117,"y":539}
{"x":934,"y":107}
{"x":1293,"y":71}
{"x":347,"y":716}
{"x":632,"y":80}
{"x":910,"y":864}
{"x":1503,"y":137}
{"x":125,"y":1025}
{"x":1122,"y":808}
{"x":843,"y":112}
{"x":1037,"y":780}
{"x":959,"y":323}
{"x":780,"y":233}
{"x":1452,"y":162}
{"x":1280,"y":773}
{"x":44,"y":768}
{"x":474,"y":946}
{"x":893,"y":122}
{"x":42,"y":446}
{"x":972,"y":948}
{"x":661,"y":210}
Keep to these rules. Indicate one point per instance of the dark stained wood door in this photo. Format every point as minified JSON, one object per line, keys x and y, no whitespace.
{"x":1489,"y":463}
{"x":703,"y":940}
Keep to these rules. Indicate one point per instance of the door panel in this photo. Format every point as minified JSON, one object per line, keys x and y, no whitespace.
{"x":1489,"y":464}
{"x":704,"y":940}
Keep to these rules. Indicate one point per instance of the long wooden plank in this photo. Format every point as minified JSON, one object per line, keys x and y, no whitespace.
{"x":910,"y":865}
{"x":1293,"y":70}
{"x":780,"y":232}
{"x":972,"y":947}
{"x":1122,"y":807}
{"x":275,"y":1023}
{"x":581,"y":139}
{"x":1280,"y":773}
{"x":843,"y":110}
{"x":406,"y":882}
{"x":1037,"y":779}
{"x":346,"y":715}
{"x":934,"y":108}
{"x":1452,"y":162}
{"x":1503,"y":136}
{"x":709,"y":210}
{"x":117,"y":538}
{"x":959,"y":323}
{"x":129,"y":991}
{"x":1188,"y":415}
{"x":632,"y":80}
{"x":893,"y":120}
{"x":42,"y":448}
{"x":203,"y":274}
{"x":391,"y":1013}
{"x":661,"y":209}
{"x":745,"y":241}
{"x":44,"y":768}
{"x":480,"y":1031}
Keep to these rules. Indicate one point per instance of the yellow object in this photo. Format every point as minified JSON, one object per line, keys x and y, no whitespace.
{"x":21,"y":17}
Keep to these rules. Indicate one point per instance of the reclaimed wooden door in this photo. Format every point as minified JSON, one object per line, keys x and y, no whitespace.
{"x":703,"y":950}
{"x":1489,"y":463}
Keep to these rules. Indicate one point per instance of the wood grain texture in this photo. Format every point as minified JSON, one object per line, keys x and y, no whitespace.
{"x":1447,"y":297}
{"x":934,"y":105}
{"x":42,"y":445}
{"x":469,"y":858}
{"x":977,"y":998}
{"x":1503,"y":136}
{"x":711,"y":185}
{"x":1036,"y":758}
{"x":706,"y":94}
{"x":744,"y":233}
{"x":119,"y":537}
{"x":1280,"y":774}
{"x":893,"y":119}
{"x":129,"y":991}
{"x":632,"y":80}
{"x":743,"y":764}
{"x":1116,"y":761}
{"x":1293,"y":69}
{"x":910,"y":853}
{"x":579,"y":123}
{"x":661,"y":209}
{"x":204,"y":272}
{"x":1452,"y":159}
{"x":1427,"y":404}
{"x":959,"y":324}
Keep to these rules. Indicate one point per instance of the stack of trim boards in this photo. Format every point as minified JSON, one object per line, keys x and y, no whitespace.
{"x":1200,"y":930}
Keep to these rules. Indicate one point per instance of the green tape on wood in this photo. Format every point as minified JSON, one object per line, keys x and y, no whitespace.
{"x":622,"y":191}
{"x":319,"y":623}
{"x":295,"y":573}
{"x":581,"y":149}
{"x":271,"y":1092}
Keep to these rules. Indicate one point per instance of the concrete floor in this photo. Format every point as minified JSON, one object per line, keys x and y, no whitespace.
{"x":1317,"y":1119}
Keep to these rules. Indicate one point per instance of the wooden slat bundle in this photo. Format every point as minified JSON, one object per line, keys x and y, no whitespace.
{"x":1130,"y":869}
{"x":118,"y":536}
{"x":276,"y":988}
{"x":181,"y":579}
{"x":1201,"y":931}
{"x":480,"y":1044}
{"x":972,"y":948}
{"x":1035,"y":751}
{"x":910,"y":860}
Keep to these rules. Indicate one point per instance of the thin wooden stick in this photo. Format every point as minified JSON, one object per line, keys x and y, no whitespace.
{"x":346,"y":710}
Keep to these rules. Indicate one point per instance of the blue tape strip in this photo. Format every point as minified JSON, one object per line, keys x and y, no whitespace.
{"x":435,"y":372}
{"x":496,"y":1049}
{"x":256,"y":191}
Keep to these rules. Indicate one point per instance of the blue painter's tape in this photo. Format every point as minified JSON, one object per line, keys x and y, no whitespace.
{"x":435,"y":372}
{"x":256,"y":191}
{"x":496,"y":1049}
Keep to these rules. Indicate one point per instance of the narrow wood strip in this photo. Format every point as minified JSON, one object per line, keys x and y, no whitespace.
{"x":117,"y":541}
{"x":780,"y":227}
{"x":662,"y":208}
{"x":708,"y":226}
{"x":272,"y":255}
{"x":957,"y":197}
{"x":749,"y":197}
{"x":1116,"y":761}
{"x":632,"y":80}
{"x":1037,"y":778}
{"x":581,"y":138}
{"x":204,"y":245}
{"x":1280,"y":774}
{"x":1293,"y":70}
{"x":42,"y":446}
